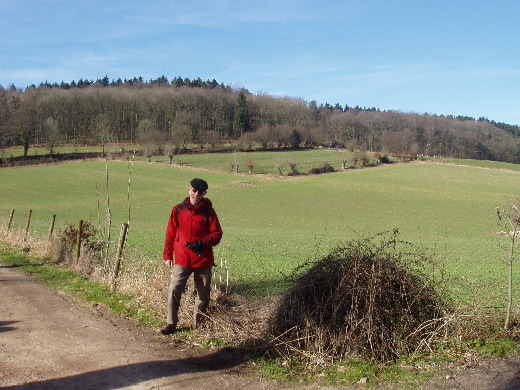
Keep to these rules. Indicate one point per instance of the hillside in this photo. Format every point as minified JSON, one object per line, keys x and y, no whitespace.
{"x":167,"y":116}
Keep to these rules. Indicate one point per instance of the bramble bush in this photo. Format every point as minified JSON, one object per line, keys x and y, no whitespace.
{"x":374,"y":298}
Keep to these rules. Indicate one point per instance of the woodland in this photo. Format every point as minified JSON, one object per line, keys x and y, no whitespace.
{"x":165,"y":115}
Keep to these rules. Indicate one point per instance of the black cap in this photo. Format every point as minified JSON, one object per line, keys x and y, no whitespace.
{"x":199,"y":185}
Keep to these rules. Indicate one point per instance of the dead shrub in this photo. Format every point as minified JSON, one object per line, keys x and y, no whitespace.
{"x":325,"y":168}
{"x":89,"y":237}
{"x":373,"y":298}
{"x":92,"y":246}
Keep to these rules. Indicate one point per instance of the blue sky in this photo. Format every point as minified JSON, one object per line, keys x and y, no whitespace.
{"x":457,"y":57}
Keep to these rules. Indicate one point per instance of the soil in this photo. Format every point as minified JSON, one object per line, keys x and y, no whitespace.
{"x":48,"y":342}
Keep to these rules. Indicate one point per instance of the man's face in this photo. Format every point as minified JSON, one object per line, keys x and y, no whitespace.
{"x":196,"y":196}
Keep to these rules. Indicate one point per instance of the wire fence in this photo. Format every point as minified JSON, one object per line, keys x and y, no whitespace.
{"x":242,"y":267}
{"x":121,"y":263}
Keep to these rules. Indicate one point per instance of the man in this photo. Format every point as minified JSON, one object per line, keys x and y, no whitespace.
{"x":192,"y":232}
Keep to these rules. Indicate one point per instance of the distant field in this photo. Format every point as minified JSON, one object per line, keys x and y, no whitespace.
{"x":42,"y":150}
{"x":272,"y":224}
{"x":263,"y":162}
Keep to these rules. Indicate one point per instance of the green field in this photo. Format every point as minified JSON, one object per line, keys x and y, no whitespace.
{"x":271,"y":224}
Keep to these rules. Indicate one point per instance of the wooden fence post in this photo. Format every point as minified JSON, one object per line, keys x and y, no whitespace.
{"x":78,"y":239}
{"x":10,"y":220}
{"x":51,"y":227}
{"x":121,"y":245}
{"x":27,"y":224}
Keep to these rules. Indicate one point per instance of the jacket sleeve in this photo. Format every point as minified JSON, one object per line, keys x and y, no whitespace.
{"x":171,"y":231}
{"x":215,"y":230}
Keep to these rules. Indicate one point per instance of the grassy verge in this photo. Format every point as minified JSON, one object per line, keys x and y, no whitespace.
{"x":406,"y":373}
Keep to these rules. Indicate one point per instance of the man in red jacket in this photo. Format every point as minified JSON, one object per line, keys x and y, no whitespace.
{"x":192,"y":232}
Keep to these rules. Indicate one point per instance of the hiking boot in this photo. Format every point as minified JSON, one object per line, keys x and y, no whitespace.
{"x":200,"y":319}
{"x":168,"y":329}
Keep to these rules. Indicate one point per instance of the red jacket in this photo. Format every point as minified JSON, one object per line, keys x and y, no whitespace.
{"x":199,"y":222}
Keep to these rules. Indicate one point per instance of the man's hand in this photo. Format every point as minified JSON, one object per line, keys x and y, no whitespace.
{"x":169,"y":263}
{"x":196,"y":246}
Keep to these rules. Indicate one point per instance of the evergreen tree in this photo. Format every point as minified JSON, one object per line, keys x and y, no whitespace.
{"x":295,"y":139}
{"x":240,"y":121}
{"x":24,"y":138}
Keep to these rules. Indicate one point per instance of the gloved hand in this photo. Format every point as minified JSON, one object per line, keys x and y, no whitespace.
{"x":196,"y":246}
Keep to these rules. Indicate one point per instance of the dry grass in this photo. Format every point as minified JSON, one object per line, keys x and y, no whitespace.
{"x":229,"y":317}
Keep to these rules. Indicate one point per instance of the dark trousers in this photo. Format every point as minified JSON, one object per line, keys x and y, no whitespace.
{"x":202,"y":279}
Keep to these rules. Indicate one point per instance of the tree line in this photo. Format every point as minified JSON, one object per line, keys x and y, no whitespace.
{"x":174,"y":114}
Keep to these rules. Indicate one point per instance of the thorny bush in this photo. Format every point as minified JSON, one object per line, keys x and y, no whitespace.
{"x":373,"y":298}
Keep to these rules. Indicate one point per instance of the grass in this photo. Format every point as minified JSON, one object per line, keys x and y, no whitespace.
{"x":351,"y":372}
{"x":475,"y":163}
{"x":408,"y":372}
{"x":264,"y":162}
{"x":273,"y":224}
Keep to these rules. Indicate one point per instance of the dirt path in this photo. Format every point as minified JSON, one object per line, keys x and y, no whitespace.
{"x":47,"y":342}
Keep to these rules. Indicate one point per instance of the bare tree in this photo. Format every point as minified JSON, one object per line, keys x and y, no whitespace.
{"x":365,"y":159}
{"x":53,"y":134}
{"x":292,"y":163}
{"x":247,"y":140}
{"x":102,"y":131}
{"x":212,"y":138}
{"x":235,"y":162}
{"x":264,"y":137}
{"x":183,"y":128}
{"x":169,"y":151}
{"x":278,"y":164}
{"x":356,"y":156}
{"x":344,"y":160}
{"x":150,"y":136}
{"x":510,"y":220}
{"x":250,"y":166}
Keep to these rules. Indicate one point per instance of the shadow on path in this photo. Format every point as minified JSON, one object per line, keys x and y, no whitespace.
{"x":4,"y":326}
{"x":133,"y":374}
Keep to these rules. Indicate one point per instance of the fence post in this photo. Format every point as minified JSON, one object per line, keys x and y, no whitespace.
{"x":51,"y":227}
{"x":27,"y":224}
{"x":78,"y":239}
{"x":121,"y":245}
{"x":10,"y":220}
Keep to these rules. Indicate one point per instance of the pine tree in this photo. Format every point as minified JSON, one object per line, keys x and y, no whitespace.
{"x":240,"y":122}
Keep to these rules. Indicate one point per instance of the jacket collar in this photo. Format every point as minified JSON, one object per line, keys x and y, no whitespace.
{"x":204,"y":203}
